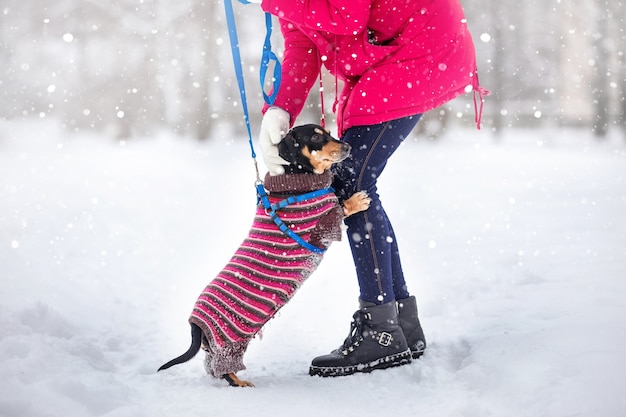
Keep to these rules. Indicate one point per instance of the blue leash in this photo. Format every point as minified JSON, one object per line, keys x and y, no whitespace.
{"x":267,"y":57}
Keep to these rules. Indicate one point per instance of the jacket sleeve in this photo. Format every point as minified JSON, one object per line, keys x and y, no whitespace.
{"x":342,"y":17}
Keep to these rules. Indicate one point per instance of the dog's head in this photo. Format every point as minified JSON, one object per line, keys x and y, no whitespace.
{"x":311,"y":148}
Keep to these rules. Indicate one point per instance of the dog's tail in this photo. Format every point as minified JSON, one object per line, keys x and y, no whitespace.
{"x":196,"y":341}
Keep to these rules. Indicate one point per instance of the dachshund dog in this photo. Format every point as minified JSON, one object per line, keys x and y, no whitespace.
{"x":297,"y":218}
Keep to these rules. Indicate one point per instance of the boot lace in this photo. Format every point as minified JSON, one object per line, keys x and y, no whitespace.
{"x":355,"y":337}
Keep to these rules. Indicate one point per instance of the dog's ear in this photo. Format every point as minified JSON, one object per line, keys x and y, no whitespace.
{"x":288,"y":148}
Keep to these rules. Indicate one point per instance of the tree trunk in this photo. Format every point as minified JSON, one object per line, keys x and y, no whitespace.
{"x":600,"y":91}
{"x":618,"y":14}
{"x":498,"y":74}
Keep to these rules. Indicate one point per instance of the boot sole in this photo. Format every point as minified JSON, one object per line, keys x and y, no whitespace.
{"x":386,"y":362}
{"x":416,"y":354}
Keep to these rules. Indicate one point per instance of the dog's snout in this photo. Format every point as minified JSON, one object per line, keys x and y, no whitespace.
{"x":344,"y":151}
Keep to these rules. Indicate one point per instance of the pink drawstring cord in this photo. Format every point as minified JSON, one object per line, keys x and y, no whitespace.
{"x":481,"y":92}
{"x":323,"y":111}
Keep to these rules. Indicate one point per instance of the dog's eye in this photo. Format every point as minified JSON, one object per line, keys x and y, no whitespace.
{"x":317,"y":139}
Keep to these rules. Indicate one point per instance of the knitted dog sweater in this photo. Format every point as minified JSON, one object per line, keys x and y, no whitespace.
{"x":266,"y":270}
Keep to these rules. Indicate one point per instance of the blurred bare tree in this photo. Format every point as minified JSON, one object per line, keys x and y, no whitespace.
{"x":125,"y":67}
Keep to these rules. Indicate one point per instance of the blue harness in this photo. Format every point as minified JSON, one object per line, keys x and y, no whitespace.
{"x":272,"y":209}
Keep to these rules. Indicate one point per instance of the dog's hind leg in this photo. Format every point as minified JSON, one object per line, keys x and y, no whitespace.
{"x":234,"y":381}
{"x":196,"y":342}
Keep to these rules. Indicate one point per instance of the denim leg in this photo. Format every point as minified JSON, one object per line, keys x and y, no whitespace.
{"x":370,"y":234}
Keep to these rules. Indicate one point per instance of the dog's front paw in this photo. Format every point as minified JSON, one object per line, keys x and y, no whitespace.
{"x":357,"y":202}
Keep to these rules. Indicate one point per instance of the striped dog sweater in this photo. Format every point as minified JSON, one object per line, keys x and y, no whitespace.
{"x":266,"y":270}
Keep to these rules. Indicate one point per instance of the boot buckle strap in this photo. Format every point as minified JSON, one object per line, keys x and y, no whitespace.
{"x":385,"y":339}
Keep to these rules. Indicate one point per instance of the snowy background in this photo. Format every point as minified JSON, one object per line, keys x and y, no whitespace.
{"x":113,"y":217}
{"x":515,"y":248}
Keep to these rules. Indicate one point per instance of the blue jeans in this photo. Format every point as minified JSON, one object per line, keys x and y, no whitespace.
{"x":371,"y":236}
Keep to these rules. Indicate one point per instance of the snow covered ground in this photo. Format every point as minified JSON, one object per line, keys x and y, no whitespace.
{"x":516,"y":251}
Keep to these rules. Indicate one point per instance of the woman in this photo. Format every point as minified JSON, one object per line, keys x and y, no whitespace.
{"x":397,"y":59}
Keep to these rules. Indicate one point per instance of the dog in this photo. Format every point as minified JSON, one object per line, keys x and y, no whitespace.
{"x":271,"y":264}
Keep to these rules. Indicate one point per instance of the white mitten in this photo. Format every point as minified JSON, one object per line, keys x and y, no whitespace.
{"x":274,"y":127}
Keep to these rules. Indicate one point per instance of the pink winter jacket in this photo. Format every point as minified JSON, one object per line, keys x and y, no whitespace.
{"x":397,"y":58}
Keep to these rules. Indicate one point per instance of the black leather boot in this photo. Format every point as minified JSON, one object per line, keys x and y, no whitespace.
{"x":411,"y":327}
{"x":375,"y":342}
